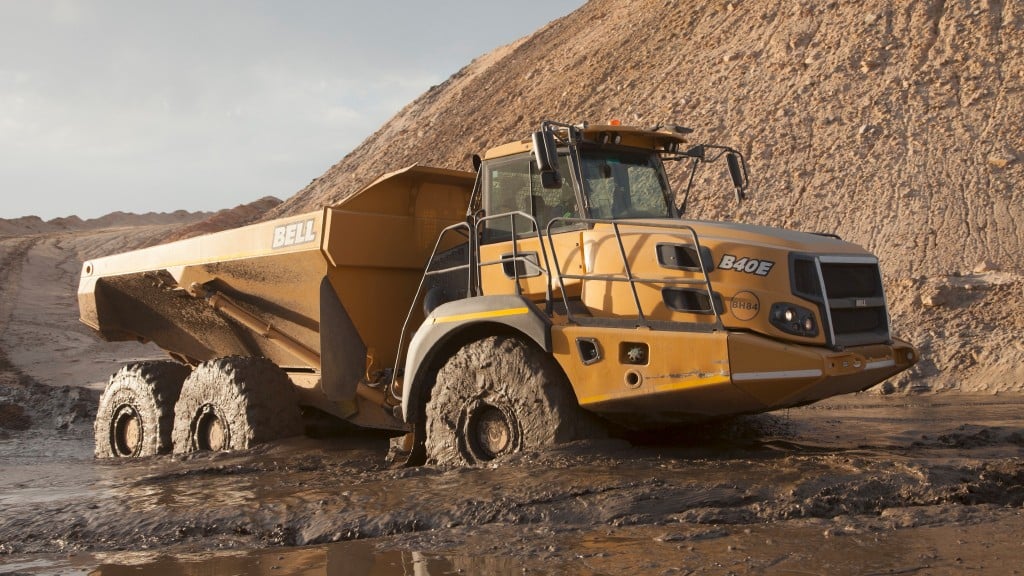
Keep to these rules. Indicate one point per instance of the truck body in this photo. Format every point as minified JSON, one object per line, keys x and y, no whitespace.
{"x":569,"y":243}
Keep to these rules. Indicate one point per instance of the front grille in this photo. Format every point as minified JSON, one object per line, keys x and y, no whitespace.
{"x":850,"y":294}
{"x":852,"y":280}
{"x":806,"y":281}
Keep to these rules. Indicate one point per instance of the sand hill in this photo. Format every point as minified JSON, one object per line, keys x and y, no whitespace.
{"x":896,"y":125}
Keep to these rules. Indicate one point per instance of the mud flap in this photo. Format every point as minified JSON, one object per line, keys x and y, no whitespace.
{"x":409,"y":449}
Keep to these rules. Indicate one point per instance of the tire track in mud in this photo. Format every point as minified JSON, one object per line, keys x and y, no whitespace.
{"x":24,"y":401}
{"x":11,"y":264}
{"x":15,"y":385}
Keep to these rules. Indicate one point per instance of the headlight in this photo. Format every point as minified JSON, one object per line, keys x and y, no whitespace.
{"x":794,"y":319}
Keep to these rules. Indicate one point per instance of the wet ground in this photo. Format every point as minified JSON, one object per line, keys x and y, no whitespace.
{"x":858,"y":485}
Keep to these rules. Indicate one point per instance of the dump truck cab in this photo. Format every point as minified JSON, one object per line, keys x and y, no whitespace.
{"x":564,"y":180}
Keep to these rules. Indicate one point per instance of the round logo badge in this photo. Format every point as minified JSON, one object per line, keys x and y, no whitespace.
{"x":744,"y":305}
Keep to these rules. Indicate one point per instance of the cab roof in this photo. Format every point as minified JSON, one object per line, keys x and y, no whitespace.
{"x":633,"y":136}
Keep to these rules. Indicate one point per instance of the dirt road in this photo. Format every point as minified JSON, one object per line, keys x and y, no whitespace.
{"x":857,"y":485}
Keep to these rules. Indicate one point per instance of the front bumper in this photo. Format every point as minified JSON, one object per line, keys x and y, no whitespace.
{"x":700,"y":377}
{"x":780,"y":375}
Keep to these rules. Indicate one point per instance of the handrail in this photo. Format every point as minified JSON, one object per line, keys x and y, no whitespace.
{"x":545,"y":270}
{"x":427,"y":272}
{"x":471,"y":230}
{"x":628,"y":276}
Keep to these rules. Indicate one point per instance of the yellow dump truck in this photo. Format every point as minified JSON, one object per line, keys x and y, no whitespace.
{"x":554,"y":290}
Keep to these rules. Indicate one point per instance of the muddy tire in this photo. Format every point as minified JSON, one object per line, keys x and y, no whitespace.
{"x":499,"y":396}
{"x":235,"y":403}
{"x":136,"y":410}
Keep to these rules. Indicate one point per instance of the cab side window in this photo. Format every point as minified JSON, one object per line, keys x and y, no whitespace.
{"x":514,"y":185}
{"x":507,"y":184}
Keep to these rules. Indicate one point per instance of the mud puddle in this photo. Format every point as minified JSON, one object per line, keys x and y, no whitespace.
{"x":354,"y":558}
{"x":856,"y":485}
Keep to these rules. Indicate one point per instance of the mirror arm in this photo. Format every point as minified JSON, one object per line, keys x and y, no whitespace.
{"x":689,"y":186}
{"x":710,"y":153}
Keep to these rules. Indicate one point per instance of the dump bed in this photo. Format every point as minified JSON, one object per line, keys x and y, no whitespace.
{"x":341,"y":279}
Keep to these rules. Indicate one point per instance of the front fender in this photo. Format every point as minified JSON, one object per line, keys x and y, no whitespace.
{"x":439,"y":336}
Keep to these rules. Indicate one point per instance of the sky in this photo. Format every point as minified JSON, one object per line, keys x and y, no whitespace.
{"x":145,"y":106}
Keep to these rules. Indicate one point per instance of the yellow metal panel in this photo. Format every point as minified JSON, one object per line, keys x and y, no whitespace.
{"x":746,"y":296}
{"x":378,"y":247}
{"x":692,"y":375}
{"x":678,"y":361}
{"x":382,"y":240}
{"x":628,"y":135}
{"x":277,"y":237}
{"x":509,"y":149}
{"x":394,"y":222}
{"x":781,"y":374}
{"x":277,"y":262}
{"x":494,"y":280}
{"x":415,"y":191}
{"x":615,"y":298}
{"x":378,"y":242}
{"x":377,"y":300}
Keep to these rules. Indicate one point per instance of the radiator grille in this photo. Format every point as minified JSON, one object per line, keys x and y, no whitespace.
{"x":849,"y":291}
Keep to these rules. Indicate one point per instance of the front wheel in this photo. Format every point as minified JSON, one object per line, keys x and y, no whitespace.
{"x":233,"y":404}
{"x":499,"y":396}
{"x":136,"y":410}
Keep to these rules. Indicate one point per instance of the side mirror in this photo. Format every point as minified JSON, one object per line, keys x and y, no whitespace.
{"x":545,"y":151}
{"x":738,"y":174}
{"x":545,"y":154}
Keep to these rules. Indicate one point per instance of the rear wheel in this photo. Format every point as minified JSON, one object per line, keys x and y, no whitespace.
{"x":498,"y":396}
{"x":235,"y":403}
{"x":136,"y":410}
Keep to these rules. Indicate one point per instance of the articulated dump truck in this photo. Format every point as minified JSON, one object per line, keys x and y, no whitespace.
{"x":553,"y":293}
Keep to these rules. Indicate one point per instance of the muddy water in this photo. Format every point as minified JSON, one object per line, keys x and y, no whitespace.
{"x":858,"y":485}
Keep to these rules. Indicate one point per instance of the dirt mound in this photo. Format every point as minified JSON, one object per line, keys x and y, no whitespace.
{"x":29,"y":225}
{"x":226,"y":219}
{"x":967,"y":326}
{"x":889,"y":123}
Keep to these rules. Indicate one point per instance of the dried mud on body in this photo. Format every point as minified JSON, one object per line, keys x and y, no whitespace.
{"x":804,"y":488}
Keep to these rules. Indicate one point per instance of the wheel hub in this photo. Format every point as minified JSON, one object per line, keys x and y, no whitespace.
{"x":126,"y":433}
{"x":211,"y":434}
{"x":488,"y":433}
{"x":493,"y":433}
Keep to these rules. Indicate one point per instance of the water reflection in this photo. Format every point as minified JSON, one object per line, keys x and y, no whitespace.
{"x":355,"y":558}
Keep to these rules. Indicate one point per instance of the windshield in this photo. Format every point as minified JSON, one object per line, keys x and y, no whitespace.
{"x":621,"y":184}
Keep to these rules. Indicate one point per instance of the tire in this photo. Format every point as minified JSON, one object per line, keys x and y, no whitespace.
{"x":235,"y":403}
{"x":499,"y":396}
{"x":136,"y":410}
